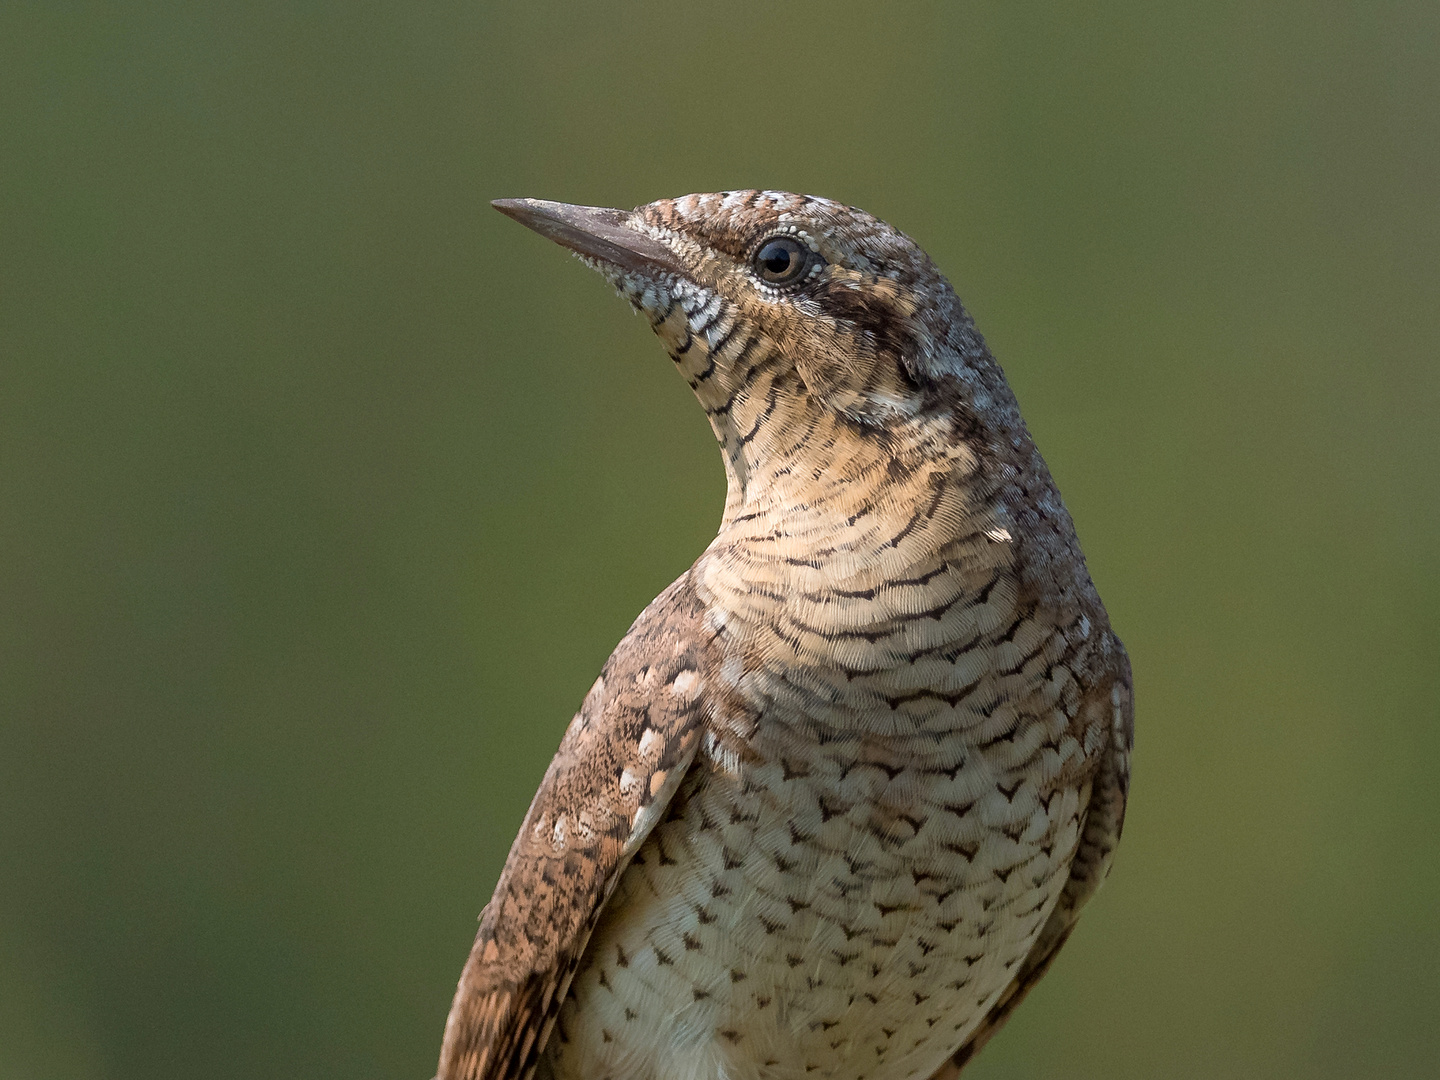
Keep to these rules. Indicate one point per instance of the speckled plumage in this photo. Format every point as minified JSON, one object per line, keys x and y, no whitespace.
{"x":839,"y":795}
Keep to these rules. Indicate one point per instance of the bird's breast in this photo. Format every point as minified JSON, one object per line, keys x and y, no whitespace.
{"x":883,"y":811}
{"x":881,"y":819}
{"x":831,"y":904}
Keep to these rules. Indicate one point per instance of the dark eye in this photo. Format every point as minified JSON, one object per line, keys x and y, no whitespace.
{"x":782,"y":260}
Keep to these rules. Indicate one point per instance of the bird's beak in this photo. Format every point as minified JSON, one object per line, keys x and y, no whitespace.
{"x":596,"y":232}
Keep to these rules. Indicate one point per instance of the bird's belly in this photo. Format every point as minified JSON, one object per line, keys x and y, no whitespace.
{"x":846,"y":911}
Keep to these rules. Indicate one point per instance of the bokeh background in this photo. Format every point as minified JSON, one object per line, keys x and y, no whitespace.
{"x":325,"y":490}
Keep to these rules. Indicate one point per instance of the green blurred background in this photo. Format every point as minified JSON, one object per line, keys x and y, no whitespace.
{"x":325,"y":490}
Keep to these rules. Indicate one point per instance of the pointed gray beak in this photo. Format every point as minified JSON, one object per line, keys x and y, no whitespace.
{"x":596,"y":232}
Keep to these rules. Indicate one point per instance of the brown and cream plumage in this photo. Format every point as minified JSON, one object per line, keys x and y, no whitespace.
{"x":839,"y":795}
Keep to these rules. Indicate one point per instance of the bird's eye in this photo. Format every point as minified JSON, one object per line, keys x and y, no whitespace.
{"x":781,"y":260}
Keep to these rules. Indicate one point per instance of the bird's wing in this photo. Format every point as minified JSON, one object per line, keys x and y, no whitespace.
{"x":1104,"y":819}
{"x":620,"y":762}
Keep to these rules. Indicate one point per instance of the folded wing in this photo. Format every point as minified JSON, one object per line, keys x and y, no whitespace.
{"x":617,"y":768}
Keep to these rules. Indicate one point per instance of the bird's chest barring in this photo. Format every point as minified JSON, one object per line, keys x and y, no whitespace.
{"x":822,"y":908}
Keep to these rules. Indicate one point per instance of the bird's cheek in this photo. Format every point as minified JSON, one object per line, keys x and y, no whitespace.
{"x":843,"y":372}
{"x":814,"y":350}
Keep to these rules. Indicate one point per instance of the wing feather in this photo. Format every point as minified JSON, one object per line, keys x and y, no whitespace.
{"x":617,"y":768}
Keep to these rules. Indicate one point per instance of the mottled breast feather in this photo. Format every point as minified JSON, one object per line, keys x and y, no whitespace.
{"x":617,"y":768}
{"x":1104,"y":822}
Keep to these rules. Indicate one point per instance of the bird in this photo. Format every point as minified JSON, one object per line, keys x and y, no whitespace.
{"x":838,"y":796}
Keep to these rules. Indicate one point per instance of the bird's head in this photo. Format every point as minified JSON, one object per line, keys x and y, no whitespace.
{"x":760,"y":295}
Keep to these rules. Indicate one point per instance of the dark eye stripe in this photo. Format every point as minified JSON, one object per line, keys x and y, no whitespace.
{"x":871,"y":313}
